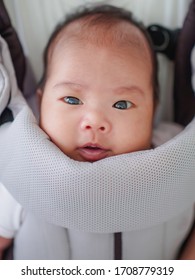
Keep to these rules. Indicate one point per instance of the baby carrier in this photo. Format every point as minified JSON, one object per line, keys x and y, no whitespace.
{"x":129,"y":193}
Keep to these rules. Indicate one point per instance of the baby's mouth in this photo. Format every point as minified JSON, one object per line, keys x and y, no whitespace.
{"x":93,"y":152}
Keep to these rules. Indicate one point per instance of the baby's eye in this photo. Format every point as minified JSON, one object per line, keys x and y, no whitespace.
{"x":123,"y":105}
{"x":72,"y":100}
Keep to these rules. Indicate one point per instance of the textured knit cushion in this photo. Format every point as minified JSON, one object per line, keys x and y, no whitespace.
{"x":119,"y":193}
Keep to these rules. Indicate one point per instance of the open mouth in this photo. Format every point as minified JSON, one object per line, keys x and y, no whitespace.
{"x":92,"y":152}
{"x":91,"y":148}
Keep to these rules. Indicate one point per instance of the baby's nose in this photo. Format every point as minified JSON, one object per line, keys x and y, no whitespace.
{"x":96,"y":123}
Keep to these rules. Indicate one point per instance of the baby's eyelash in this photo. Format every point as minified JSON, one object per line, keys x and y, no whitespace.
{"x":120,"y":105}
{"x":71,"y":100}
{"x":123,"y":105}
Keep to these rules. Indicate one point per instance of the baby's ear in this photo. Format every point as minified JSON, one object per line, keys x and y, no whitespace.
{"x":39,"y":92}
{"x":39,"y":95}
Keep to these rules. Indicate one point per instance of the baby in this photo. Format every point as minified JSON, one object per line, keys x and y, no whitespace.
{"x":99,"y":90}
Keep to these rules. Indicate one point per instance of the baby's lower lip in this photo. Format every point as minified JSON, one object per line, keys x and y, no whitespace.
{"x":92,"y":153}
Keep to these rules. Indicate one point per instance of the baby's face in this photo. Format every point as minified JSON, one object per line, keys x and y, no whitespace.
{"x":98,"y":101}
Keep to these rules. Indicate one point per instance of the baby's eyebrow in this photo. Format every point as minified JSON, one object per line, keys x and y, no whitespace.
{"x":130,"y":89}
{"x":73,"y":85}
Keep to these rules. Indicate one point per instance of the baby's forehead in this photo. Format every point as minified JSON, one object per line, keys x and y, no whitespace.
{"x":116,"y":33}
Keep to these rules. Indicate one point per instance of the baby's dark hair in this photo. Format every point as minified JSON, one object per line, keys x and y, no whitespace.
{"x":96,"y":15}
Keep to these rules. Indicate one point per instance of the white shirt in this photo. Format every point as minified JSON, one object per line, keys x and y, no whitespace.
{"x":11,"y":214}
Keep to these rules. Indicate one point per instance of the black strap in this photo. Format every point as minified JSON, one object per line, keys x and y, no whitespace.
{"x":6,"y":116}
{"x":118,"y":246}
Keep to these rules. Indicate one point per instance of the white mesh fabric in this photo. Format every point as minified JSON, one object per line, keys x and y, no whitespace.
{"x":116,"y":194}
{"x":121,"y":193}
